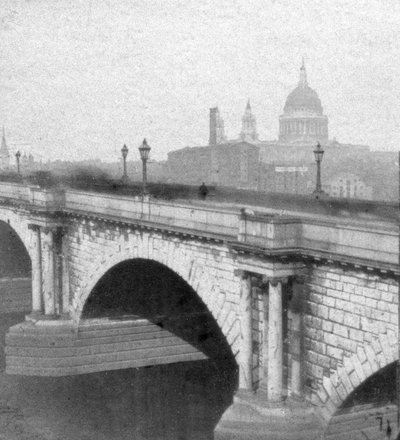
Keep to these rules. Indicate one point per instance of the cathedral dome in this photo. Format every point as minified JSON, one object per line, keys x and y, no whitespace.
{"x":303,"y":97}
{"x":303,"y":120}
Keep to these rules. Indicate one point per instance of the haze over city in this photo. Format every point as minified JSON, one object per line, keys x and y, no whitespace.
{"x":81,"y":78}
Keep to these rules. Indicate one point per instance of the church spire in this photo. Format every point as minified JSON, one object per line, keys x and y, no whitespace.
{"x":249,"y":127}
{"x":3,"y":148}
{"x":4,"y":154}
{"x":303,"y":74}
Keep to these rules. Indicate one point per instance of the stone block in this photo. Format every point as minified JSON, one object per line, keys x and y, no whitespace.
{"x":334,"y":352}
{"x":358,"y":299}
{"x":318,"y":347}
{"x":336,"y":315}
{"x":371,"y":357}
{"x":347,"y":345}
{"x":387,"y":297}
{"x":323,"y":311}
{"x":356,"y":335}
{"x":351,"y":320}
{"x":331,"y":339}
{"x":327,"y":326}
{"x":340,"y":330}
{"x":328,"y":301}
{"x":350,"y":288}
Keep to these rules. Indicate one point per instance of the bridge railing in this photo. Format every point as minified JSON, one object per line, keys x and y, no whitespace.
{"x":216,"y":221}
{"x":328,"y":238}
{"x":14,"y":191}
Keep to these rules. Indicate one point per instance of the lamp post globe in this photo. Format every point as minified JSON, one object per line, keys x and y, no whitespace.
{"x":17,"y":157}
{"x":318,"y":155}
{"x":144,"y":151}
{"x":124,"y":152}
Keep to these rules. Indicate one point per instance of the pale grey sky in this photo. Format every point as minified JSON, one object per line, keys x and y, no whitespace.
{"x":78,"y":79}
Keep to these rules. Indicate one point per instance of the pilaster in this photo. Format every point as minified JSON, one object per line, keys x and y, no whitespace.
{"x":246,"y":345}
{"x":36,"y":257}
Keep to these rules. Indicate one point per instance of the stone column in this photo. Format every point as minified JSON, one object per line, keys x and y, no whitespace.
{"x":296,"y":305}
{"x":48,"y":259}
{"x":275,"y":341}
{"x":246,"y":330}
{"x":64,"y":274}
{"x":36,"y":257}
{"x":265,"y":330}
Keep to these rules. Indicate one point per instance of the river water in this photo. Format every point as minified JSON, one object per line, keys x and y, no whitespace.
{"x":169,"y":402}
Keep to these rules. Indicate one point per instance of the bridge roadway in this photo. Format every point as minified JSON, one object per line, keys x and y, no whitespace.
{"x":304,"y":292}
{"x":361,"y":233}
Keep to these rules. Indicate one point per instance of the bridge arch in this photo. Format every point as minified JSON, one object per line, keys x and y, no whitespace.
{"x":355,"y":371}
{"x":179,"y":258}
{"x":14,"y":253}
{"x":369,"y":409}
{"x":19,"y":225}
{"x":146,"y":289}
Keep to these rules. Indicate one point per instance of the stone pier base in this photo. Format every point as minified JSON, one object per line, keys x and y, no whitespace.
{"x":251,"y":417}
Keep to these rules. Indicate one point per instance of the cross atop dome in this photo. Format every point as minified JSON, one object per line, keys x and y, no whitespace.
{"x":303,"y":74}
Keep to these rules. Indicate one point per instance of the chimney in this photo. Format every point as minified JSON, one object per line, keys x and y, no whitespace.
{"x":213,"y":126}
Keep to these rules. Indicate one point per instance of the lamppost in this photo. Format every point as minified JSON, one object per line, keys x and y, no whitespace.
{"x":124,"y":152}
{"x":144,"y":151}
{"x":17,"y":156}
{"x":318,"y":153}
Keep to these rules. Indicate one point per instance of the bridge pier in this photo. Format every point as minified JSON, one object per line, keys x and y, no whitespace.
{"x":275,"y":396}
{"x":50,"y":278}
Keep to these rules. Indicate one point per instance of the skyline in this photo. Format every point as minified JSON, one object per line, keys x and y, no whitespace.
{"x":80,"y":79}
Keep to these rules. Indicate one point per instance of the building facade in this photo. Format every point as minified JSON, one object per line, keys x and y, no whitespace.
{"x":348,"y":186}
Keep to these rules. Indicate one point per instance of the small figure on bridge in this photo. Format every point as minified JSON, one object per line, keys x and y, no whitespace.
{"x":388,"y":430}
{"x":203,"y":191}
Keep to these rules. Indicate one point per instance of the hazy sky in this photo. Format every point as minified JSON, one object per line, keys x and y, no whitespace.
{"x":78,"y":79}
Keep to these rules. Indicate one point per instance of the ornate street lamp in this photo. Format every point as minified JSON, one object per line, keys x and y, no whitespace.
{"x":17,"y":157}
{"x":124,"y":152}
{"x":144,"y":151}
{"x":318,"y":154}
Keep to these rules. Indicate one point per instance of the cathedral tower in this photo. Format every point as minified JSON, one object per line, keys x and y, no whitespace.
{"x":249,"y":126}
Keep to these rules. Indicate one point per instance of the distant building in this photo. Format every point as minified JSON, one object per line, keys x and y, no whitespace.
{"x":285,"y":164}
{"x":4,"y":153}
{"x":348,"y":186}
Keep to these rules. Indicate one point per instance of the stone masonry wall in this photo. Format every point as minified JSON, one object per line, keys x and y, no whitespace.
{"x":350,"y":332}
{"x":207,"y":267}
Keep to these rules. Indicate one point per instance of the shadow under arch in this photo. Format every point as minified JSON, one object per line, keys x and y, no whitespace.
{"x":15,"y":282}
{"x":368,"y":408}
{"x":148,"y":289}
{"x":14,"y":256}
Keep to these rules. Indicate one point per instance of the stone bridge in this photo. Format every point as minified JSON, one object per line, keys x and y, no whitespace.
{"x":304,"y":303}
